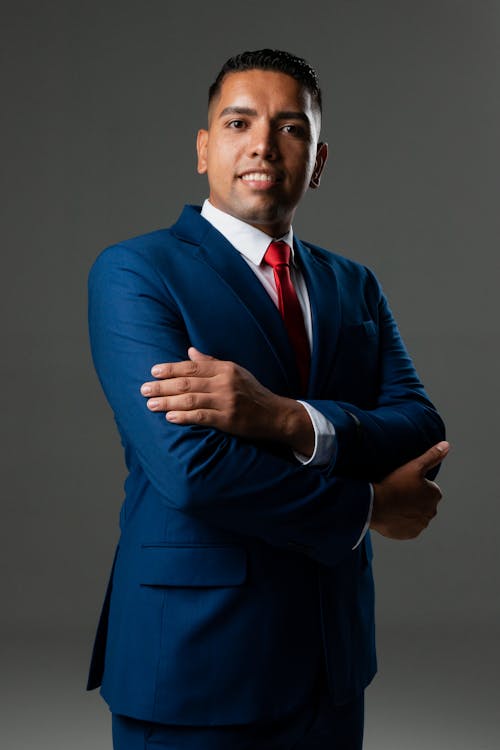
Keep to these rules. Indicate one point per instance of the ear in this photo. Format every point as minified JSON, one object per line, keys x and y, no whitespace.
{"x":201,"y":150}
{"x":321,"y":157}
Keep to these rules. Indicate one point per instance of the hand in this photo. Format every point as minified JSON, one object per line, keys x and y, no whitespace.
{"x":405,"y":501}
{"x":211,"y":392}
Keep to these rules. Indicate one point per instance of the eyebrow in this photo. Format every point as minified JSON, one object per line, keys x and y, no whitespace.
{"x":238,"y":111}
{"x":290,"y":115}
{"x":284,"y":115}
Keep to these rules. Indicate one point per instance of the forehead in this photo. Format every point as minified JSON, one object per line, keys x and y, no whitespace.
{"x":266,"y":89}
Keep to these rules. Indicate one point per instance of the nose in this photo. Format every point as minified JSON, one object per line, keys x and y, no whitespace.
{"x":263,"y":142}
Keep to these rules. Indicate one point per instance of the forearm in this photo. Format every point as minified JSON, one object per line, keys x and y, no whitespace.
{"x":372,"y":443}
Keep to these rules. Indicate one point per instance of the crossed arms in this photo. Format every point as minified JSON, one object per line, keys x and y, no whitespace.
{"x":222,"y":395}
{"x":228,"y":472}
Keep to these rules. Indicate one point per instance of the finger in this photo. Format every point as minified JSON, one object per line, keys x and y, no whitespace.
{"x":432,"y":457}
{"x":195,"y":355}
{"x":184,"y":402}
{"x":207,"y":417}
{"x":174,"y":386}
{"x":186,"y":368}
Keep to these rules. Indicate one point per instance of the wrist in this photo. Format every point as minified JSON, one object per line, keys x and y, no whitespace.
{"x":295,"y":428}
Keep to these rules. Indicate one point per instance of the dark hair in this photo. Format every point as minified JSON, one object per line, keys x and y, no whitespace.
{"x":270,"y":59}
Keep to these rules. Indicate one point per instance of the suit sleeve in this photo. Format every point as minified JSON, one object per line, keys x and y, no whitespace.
{"x":402,"y":424}
{"x":224,"y":480}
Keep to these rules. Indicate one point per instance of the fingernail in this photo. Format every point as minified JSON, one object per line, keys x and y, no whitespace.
{"x":171,"y":416}
{"x":146,"y":390}
{"x":156,"y":370}
{"x":152,"y":403}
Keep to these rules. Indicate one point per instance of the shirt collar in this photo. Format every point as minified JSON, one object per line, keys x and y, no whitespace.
{"x":248,"y":240}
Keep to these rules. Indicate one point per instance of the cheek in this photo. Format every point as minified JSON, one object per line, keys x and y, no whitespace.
{"x":310,"y":161}
{"x":302,"y":164}
{"x":220,"y":166}
{"x":217,"y":174}
{"x":302,"y":178}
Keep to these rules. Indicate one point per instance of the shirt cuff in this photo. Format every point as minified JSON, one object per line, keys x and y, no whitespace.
{"x":368,"y":520}
{"x":325,"y":440}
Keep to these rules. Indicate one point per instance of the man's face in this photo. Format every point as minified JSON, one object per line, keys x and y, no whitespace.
{"x":261,"y":149}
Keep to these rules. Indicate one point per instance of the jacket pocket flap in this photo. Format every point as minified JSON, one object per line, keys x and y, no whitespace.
{"x":169,"y":565}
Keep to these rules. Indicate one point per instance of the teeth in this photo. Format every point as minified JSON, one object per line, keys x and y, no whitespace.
{"x":258,"y":177}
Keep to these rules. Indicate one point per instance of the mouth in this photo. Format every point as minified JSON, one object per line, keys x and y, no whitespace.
{"x":260,"y":180}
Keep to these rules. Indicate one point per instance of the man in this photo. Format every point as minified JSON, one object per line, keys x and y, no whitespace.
{"x":285,"y":418}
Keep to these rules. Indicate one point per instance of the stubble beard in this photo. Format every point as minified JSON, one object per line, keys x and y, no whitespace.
{"x":262,"y":215}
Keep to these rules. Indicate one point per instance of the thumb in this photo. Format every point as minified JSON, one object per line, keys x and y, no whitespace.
{"x":195,"y":356}
{"x":433,"y":456}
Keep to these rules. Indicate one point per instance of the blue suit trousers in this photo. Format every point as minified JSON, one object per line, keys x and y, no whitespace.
{"x":318,"y":726}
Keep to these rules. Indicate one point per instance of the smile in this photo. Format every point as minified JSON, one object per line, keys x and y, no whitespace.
{"x":258,"y":177}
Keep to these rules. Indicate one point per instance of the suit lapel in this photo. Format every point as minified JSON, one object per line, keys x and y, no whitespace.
{"x":212,"y":248}
{"x":322,"y":286}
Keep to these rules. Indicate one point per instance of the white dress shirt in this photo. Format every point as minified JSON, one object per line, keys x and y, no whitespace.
{"x":252,"y":244}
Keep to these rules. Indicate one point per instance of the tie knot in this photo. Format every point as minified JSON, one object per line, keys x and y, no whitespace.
{"x":277,"y":254}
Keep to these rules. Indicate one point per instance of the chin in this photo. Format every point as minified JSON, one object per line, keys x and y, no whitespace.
{"x":261,"y":214}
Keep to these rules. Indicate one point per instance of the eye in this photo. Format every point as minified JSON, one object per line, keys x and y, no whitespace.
{"x":294,"y":130}
{"x":236,"y":124}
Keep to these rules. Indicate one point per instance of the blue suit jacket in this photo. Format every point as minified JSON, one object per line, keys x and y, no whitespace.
{"x":235,"y":580}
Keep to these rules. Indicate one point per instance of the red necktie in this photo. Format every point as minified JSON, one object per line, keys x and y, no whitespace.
{"x":278,"y":257}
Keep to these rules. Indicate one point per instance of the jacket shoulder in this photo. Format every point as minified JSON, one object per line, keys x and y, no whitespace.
{"x":160,"y":247}
{"x":143,"y":249}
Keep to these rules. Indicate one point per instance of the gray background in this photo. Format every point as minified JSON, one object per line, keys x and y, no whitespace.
{"x":101,"y":103}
